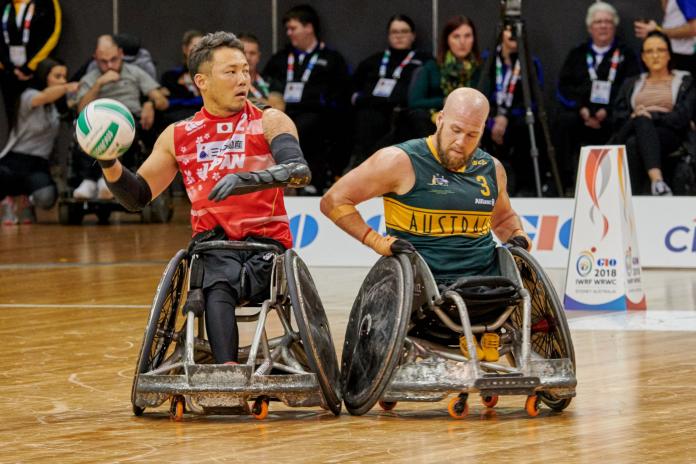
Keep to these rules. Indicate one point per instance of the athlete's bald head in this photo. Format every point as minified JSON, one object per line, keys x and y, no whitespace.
{"x":460,"y":127}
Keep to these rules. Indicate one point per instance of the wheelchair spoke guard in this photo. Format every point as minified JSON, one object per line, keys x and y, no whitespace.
{"x":314,"y":328}
{"x":375,"y":334}
{"x":161,"y":323}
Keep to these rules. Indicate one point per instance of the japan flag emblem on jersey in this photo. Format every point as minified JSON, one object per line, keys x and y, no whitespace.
{"x":225,"y":128}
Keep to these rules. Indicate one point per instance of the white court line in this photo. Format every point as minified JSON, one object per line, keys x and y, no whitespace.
{"x":649,"y":321}
{"x":80,"y":306}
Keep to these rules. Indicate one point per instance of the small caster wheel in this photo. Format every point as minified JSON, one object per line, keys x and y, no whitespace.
{"x":176,"y":410}
{"x":489,"y":401}
{"x":532,"y":405}
{"x":260,"y":408}
{"x":458,"y":407}
{"x":387,"y":405}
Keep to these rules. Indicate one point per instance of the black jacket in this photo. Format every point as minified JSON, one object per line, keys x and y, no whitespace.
{"x":678,"y":119}
{"x":575,"y":84}
{"x":367,"y":74}
{"x":44,"y":34}
{"x":328,"y":86}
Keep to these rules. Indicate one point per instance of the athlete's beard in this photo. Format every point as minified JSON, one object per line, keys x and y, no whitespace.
{"x":447,"y":161}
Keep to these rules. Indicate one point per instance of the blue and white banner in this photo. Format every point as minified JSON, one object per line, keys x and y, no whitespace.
{"x":666,"y":229}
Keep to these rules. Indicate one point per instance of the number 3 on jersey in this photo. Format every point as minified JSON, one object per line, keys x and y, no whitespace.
{"x":485,"y":190}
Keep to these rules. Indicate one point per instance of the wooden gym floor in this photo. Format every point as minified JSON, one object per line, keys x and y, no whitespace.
{"x":74,"y":303}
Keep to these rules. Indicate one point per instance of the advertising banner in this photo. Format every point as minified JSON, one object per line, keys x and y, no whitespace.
{"x":604,"y":268}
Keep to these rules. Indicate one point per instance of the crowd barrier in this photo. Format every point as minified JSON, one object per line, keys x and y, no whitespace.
{"x":666,"y":231}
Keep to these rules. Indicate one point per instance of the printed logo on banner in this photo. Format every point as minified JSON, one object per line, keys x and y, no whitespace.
{"x":546,"y":231}
{"x":376,"y":223}
{"x":681,"y":239}
{"x":584,"y":264}
{"x":304,"y":229}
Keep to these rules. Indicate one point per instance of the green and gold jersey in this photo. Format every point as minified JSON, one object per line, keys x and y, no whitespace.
{"x":447,"y":215}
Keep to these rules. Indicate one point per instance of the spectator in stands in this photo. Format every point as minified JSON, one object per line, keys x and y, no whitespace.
{"x":380,"y":84}
{"x":507,"y":132}
{"x":315,"y":85}
{"x":260,"y":91}
{"x":133,"y":53}
{"x":125,"y":83}
{"x":653,"y":111}
{"x":183,"y":95}
{"x":679,"y":24}
{"x":30,"y":32}
{"x":458,"y":65}
{"x":589,"y":81}
{"x":24,"y":161}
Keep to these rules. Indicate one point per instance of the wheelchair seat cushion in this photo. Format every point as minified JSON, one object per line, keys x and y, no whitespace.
{"x":484,"y":292}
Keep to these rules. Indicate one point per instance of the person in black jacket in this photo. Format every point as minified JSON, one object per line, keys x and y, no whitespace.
{"x":314,"y":82}
{"x":380,"y":84}
{"x":184,"y":98}
{"x":652,"y":112}
{"x":587,"y":87}
{"x":30,"y":32}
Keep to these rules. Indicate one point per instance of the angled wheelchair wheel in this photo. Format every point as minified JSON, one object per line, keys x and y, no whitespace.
{"x":376,"y":331}
{"x":314,"y":329}
{"x":161,"y":325}
{"x":550,"y":335}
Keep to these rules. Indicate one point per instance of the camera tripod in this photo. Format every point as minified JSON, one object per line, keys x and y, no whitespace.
{"x":531,"y":92}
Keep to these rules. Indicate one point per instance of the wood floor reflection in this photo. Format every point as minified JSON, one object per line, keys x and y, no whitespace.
{"x":73,"y":307}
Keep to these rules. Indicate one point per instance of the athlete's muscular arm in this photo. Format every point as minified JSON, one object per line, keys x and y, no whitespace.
{"x":134,"y":191}
{"x":505,"y":222}
{"x":388,"y":170}
{"x":291,"y":169}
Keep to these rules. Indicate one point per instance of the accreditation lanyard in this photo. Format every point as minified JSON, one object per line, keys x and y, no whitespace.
{"x":290,"y":75}
{"x":507,"y":81}
{"x":592,"y":69}
{"x":26,"y":27}
{"x":399,"y":69}
{"x":259,"y":88}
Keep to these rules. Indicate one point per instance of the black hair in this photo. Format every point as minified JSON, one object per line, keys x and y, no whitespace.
{"x":403,"y":18}
{"x":202,"y":52}
{"x":664,"y":37}
{"x":306,"y":15}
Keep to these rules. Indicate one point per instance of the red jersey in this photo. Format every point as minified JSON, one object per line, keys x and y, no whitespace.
{"x":207,"y":148}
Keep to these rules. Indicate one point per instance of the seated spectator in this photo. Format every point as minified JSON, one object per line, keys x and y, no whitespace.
{"x":679,"y":24}
{"x":589,"y":81}
{"x":259,"y":91}
{"x":380,"y":84}
{"x":458,"y":65}
{"x":125,"y":83}
{"x":183,"y":95}
{"x":652,"y":112}
{"x":507,"y":132}
{"x":314,"y":82}
{"x":25,"y":178}
{"x":133,"y":53}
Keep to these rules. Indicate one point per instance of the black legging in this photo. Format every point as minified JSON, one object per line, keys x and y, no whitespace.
{"x":647,"y":147}
{"x":221,"y":323}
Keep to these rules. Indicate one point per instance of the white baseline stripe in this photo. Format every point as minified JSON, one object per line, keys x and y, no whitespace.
{"x":649,"y":321}
{"x":79,"y":306}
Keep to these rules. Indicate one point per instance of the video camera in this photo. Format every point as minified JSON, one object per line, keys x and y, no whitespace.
{"x":512,"y":9}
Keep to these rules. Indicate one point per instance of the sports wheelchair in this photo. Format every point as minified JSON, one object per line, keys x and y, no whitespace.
{"x":298,"y":367}
{"x":404,"y":336}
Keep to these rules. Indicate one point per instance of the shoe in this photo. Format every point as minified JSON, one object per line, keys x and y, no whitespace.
{"x":465,"y":348}
{"x":27,"y":213}
{"x":103,"y":190}
{"x":660,"y":188}
{"x":490,"y":342}
{"x":87,"y":190}
{"x":9,"y":217}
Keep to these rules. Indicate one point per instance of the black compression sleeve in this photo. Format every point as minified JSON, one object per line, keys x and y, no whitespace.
{"x":286,"y":149}
{"x":131,"y":190}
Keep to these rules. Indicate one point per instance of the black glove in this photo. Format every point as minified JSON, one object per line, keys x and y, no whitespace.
{"x":519,"y":241}
{"x":224,"y":187}
{"x":281,"y":175}
{"x":402,"y":246}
